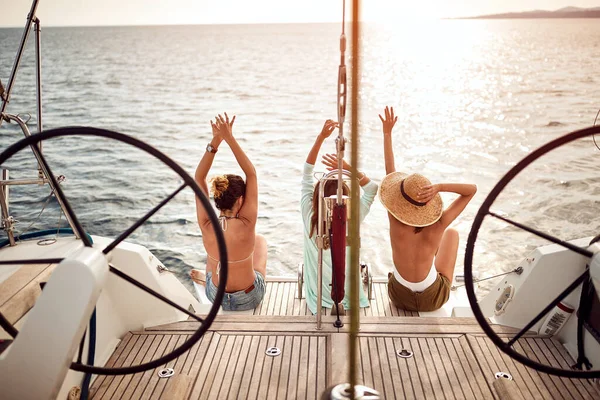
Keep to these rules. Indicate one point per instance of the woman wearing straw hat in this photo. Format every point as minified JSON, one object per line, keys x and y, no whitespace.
{"x":424,"y":249}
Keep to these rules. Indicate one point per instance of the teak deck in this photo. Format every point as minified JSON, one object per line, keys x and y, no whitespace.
{"x":452,"y":358}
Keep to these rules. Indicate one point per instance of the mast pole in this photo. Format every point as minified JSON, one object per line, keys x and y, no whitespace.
{"x":354,"y":206}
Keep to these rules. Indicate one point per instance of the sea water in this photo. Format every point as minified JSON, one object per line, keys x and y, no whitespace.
{"x":472,"y":98}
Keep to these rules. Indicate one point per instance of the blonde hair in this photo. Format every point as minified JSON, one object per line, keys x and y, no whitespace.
{"x":219,"y":185}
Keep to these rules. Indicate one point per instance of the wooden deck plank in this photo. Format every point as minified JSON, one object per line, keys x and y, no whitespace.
{"x":153,"y":381}
{"x":440,"y":367}
{"x":177,"y":365}
{"x":218,"y":374}
{"x":238,"y":372}
{"x":530,"y":383}
{"x":114,"y":384}
{"x":199,"y":358}
{"x":20,"y":279}
{"x":423,"y":372}
{"x":223,"y":346}
{"x":521,"y":373}
{"x":503,"y":366}
{"x":547,"y":381}
{"x":375,"y":364}
{"x":294,"y":368}
{"x":486,"y":364}
{"x":249,"y":368}
{"x":565,"y":361}
{"x":303,"y":307}
{"x":207,"y":356}
{"x":321,"y":365}
{"x":95,"y":389}
{"x":524,"y":375}
{"x":434,"y":377}
{"x":409,"y":367}
{"x":267,"y":368}
{"x":536,"y":380}
{"x":258,"y":366}
{"x":446,"y":364}
{"x":279,"y":299}
{"x":232,"y":363}
{"x":192,"y":356}
{"x":273,"y":298}
{"x":285,"y":299}
{"x":268,"y":296}
{"x":552,"y":361}
{"x":227,"y":376}
{"x":311,"y":390}
{"x":366,"y":362}
{"x":560,"y":386}
{"x":303,"y":368}
{"x":23,"y":299}
{"x":360,"y":375}
{"x":403,"y":381}
{"x":290,"y":299}
{"x":479,"y":385}
{"x":140,"y":380}
{"x":378,"y":302}
{"x":386,"y":364}
{"x":138,"y":391}
{"x":142,"y":354}
{"x":284,"y":371}
{"x":458,"y":368}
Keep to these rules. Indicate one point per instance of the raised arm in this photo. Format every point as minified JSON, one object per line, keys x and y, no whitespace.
{"x":369,"y":187}
{"x":388,"y":150}
{"x":331,"y":162}
{"x":328,"y":128}
{"x":202,"y":172}
{"x":466,"y":192}
{"x":249,"y":209}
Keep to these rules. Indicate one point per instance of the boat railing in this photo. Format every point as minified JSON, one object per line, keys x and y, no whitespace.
{"x":43,"y":178}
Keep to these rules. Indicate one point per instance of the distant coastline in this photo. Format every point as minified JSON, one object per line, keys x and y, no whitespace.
{"x":567,"y":12}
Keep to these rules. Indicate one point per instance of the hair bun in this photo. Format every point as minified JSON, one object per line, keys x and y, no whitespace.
{"x":219,"y":185}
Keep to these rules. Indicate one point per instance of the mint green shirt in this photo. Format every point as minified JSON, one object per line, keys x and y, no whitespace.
{"x":311,"y":252}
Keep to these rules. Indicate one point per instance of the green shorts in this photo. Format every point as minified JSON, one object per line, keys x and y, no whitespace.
{"x":431,"y":299}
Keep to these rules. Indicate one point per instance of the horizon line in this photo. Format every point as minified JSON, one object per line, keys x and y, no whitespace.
{"x":206,"y":24}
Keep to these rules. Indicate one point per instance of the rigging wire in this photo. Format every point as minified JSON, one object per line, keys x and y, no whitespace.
{"x":59,"y":179}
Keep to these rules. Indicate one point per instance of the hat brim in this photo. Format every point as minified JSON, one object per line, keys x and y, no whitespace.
{"x":402,"y":209}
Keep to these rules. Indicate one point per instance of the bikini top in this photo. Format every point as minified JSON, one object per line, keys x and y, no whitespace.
{"x":223,"y":220}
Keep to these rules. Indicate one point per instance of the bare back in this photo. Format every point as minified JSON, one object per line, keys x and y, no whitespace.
{"x":239,"y":239}
{"x":413,"y":253}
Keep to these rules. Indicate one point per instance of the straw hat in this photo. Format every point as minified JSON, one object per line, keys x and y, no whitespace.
{"x":398,"y":195}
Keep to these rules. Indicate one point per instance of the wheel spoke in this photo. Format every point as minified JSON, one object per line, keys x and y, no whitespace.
{"x":146,"y":289}
{"x":139,"y":222}
{"x":550,"y":306}
{"x":572,"y":247}
{"x":33,"y":261}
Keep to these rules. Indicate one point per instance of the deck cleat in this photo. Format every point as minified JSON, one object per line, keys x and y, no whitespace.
{"x":342,"y":391}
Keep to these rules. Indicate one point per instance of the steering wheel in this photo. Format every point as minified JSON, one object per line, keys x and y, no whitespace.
{"x":484,"y":211}
{"x":32,"y":141}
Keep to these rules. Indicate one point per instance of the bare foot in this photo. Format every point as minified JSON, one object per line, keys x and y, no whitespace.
{"x":198,"y":276}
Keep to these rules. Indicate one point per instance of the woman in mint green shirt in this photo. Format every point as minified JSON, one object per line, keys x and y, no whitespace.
{"x":309,"y":204}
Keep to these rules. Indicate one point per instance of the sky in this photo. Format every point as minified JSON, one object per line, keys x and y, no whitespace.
{"x":13,"y":13}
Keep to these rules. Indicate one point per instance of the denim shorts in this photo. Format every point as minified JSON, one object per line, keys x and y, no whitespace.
{"x":241,"y":300}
